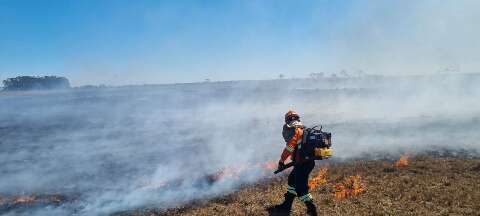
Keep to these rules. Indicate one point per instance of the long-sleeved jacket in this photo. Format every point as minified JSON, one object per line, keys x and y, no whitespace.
{"x":292,"y":133}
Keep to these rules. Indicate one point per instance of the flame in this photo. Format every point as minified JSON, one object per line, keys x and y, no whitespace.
{"x":340,"y":191}
{"x":355,"y":184}
{"x":268,"y":165}
{"x":232,"y":172}
{"x":403,"y":161}
{"x":21,"y":200}
{"x":229,"y":172}
{"x":351,"y":186}
{"x":24,"y":199}
{"x":318,"y":180}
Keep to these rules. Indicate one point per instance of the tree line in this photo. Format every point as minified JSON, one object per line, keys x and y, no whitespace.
{"x":23,"y":83}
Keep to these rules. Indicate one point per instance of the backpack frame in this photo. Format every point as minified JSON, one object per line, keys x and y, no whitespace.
{"x":316,"y":144}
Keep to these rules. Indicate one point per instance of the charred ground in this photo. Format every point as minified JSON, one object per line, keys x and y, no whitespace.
{"x":428,"y":185}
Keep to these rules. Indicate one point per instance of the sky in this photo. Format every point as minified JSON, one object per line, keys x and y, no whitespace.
{"x":146,"y":42}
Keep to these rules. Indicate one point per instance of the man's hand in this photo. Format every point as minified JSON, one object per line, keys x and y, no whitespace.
{"x":280,"y":165}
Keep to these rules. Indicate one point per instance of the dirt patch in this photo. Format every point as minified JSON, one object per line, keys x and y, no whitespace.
{"x":476,"y":168}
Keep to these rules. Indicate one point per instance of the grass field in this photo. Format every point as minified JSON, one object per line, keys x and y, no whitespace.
{"x":428,"y":185}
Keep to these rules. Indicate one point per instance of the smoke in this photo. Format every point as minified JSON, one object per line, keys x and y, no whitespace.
{"x":116,"y":149}
{"x":125,"y":148}
{"x":107,"y":147}
{"x":406,"y":37}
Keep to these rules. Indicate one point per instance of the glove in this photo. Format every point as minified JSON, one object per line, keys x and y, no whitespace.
{"x":280,"y":165}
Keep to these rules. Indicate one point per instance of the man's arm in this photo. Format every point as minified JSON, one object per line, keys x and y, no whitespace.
{"x":291,"y":144}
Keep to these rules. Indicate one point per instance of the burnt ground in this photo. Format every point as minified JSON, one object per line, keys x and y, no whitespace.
{"x":428,"y":185}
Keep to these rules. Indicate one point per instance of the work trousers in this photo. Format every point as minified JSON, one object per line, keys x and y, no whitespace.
{"x":298,"y":180}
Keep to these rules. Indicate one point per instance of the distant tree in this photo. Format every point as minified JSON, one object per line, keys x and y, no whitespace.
{"x":35,"y":83}
{"x":360,"y":73}
{"x":281,"y":76}
{"x":453,"y":68}
{"x":316,"y":75}
{"x":344,"y":73}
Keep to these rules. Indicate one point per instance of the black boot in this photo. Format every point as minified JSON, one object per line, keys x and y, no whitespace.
{"x":283,"y":208}
{"x":311,"y":208}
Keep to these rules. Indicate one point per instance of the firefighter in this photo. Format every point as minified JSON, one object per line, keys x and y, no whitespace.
{"x":298,"y":178}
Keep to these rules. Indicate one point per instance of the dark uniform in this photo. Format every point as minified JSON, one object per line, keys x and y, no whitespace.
{"x":298,"y":178}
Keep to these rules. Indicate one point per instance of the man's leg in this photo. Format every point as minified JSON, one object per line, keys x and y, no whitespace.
{"x":286,"y":206}
{"x":301,"y":180}
{"x":291,"y":183}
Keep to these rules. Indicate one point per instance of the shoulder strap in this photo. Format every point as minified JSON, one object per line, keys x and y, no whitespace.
{"x":304,"y":136}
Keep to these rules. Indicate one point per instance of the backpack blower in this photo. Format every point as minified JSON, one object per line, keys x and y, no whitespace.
{"x":316,"y":145}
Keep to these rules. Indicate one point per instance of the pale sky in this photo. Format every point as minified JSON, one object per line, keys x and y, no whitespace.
{"x":118,"y":42}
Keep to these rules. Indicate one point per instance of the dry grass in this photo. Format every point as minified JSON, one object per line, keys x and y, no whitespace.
{"x":428,"y":185}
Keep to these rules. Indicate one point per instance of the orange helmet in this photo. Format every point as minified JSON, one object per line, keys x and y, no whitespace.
{"x":291,"y":115}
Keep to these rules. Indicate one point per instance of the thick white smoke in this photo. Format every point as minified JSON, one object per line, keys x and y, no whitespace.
{"x":113,"y":149}
{"x":403,"y":37}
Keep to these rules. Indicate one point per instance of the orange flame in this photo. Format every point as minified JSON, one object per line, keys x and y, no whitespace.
{"x":403,"y":161}
{"x":32,"y":199}
{"x":340,"y":191}
{"x":351,"y":186}
{"x":225,"y":173}
{"x":23,"y":199}
{"x":318,"y":180}
{"x":229,"y":172}
{"x":269,"y":165}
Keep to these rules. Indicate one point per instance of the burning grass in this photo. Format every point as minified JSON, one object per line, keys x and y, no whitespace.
{"x":425,"y":185}
{"x":351,"y":186}
{"x":10,"y":203}
{"x":319,"y":179}
{"x":402,"y":162}
{"x":229,"y":173}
